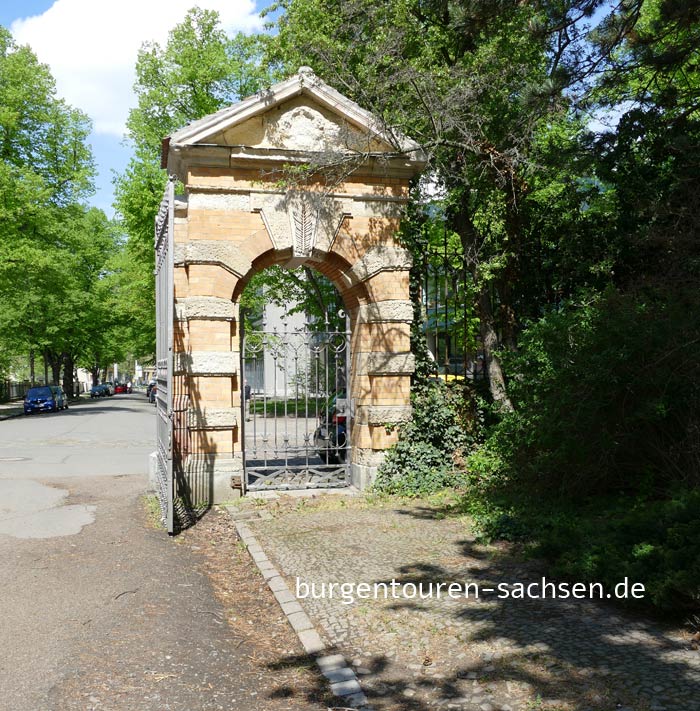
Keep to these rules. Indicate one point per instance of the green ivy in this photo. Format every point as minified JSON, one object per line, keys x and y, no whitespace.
{"x":430,"y":453}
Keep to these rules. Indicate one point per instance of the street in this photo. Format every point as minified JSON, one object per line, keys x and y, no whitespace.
{"x":100,"y":608}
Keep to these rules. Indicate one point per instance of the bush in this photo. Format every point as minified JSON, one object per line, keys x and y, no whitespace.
{"x":607,"y":399}
{"x":653,"y":542}
{"x":431,"y":447}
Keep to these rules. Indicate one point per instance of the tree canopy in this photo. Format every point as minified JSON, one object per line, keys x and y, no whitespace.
{"x":54,"y":250}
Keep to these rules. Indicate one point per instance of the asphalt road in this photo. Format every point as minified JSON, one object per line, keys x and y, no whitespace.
{"x":99,"y":608}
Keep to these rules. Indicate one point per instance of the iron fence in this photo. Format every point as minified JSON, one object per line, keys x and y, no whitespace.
{"x":448,"y":319}
{"x":11,"y":390}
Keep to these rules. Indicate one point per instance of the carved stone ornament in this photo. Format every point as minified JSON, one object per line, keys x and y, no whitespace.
{"x":304,"y":223}
{"x":302,"y":220}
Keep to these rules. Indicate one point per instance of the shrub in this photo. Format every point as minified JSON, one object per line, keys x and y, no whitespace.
{"x":607,"y":399}
{"x":429,"y":453}
{"x":653,"y":542}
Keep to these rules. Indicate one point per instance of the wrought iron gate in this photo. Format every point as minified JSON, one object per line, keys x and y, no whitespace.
{"x":296,"y":409}
{"x":164,"y":354}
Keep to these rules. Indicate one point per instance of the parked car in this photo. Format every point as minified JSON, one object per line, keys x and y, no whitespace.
{"x":120,"y":388}
{"x":109,"y":387}
{"x":153,"y":391}
{"x":60,"y":396}
{"x":149,"y":387}
{"x":100,"y":390}
{"x":45,"y":398}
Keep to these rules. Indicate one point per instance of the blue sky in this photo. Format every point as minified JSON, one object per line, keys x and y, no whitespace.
{"x":91,"y":48}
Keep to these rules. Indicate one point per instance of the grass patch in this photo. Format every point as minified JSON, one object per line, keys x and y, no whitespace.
{"x":151,"y":506}
{"x":291,"y":407}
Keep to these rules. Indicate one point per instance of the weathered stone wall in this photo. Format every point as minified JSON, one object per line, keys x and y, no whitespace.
{"x":228,"y":226}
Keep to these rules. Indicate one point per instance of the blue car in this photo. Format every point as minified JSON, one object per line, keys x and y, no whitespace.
{"x":100,"y":390}
{"x":45,"y":398}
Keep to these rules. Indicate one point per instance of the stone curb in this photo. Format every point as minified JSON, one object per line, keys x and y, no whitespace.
{"x":342,"y":679}
{"x":11,"y":415}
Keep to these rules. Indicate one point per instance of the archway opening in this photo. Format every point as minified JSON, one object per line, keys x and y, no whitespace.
{"x":295,"y":365}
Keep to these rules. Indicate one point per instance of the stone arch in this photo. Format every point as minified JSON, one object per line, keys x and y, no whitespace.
{"x":234,"y":220}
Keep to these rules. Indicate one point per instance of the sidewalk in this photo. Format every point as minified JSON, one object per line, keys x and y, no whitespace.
{"x":473,"y":654}
{"x":11,"y":409}
{"x":121,"y":617}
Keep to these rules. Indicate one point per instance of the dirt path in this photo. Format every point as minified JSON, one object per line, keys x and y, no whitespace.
{"x":122,"y":617}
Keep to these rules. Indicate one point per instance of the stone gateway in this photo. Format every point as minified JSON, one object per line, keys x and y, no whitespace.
{"x":240,"y":213}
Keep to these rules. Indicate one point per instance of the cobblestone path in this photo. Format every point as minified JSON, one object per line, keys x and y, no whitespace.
{"x":470,"y":654}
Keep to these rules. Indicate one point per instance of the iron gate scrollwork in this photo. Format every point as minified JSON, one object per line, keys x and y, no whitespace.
{"x":164,"y":354}
{"x":296,"y":408}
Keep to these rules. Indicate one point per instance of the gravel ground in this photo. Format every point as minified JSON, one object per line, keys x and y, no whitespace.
{"x":477,"y":654}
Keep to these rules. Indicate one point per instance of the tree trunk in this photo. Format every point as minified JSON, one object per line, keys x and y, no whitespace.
{"x":68,"y":366}
{"x":55,"y":361}
{"x":32,"y":374}
{"x":46,"y":369}
{"x":492,"y":364}
{"x":95,"y":372}
{"x":464,"y":226}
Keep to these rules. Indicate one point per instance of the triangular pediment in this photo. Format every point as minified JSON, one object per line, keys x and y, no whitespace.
{"x":301,"y":124}
{"x":301,"y":114}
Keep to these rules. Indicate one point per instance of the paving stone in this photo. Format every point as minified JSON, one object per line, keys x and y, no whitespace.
{"x":291,"y":607}
{"x":346,"y":688}
{"x":258,"y":555}
{"x":337,"y":675}
{"x":284,"y":595}
{"x":356,"y":700}
{"x":331,"y":661}
{"x":241,"y":515}
{"x":311,"y":641}
{"x":300,"y":621}
{"x":559,"y":643}
{"x":277,"y":584}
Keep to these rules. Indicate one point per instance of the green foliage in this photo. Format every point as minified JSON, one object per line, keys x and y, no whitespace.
{"x":655,"y":542}
{"x":606,"y":398}
{"x":301,"y":290}
{"x":198,"y":72}
{"x":54,"y":251}
{"x":428,"y":455}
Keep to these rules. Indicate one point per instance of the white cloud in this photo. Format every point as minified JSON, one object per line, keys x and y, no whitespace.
{"x":91,"y":46}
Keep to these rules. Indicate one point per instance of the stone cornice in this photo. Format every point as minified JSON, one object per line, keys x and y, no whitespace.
{"x":396,"y":311}
{"x":380,"y":363}
{"x":182,"y":158}
{"x":226,"y":254}
{"x":213,"y":418}
{"x":219,"y":363}
{"x":381,"y":258}
{"x":383,"y":414}
{"x":211,"y":308}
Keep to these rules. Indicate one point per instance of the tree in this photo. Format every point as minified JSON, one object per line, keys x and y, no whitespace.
{"x":466,"y":80}
{"x":199,"y":71}
{"x":46,"y":171}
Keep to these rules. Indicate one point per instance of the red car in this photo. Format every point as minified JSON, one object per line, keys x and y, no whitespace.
{"x":120,"y":388}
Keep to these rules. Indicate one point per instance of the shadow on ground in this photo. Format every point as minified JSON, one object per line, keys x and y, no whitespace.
{"x":483,"y":653}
